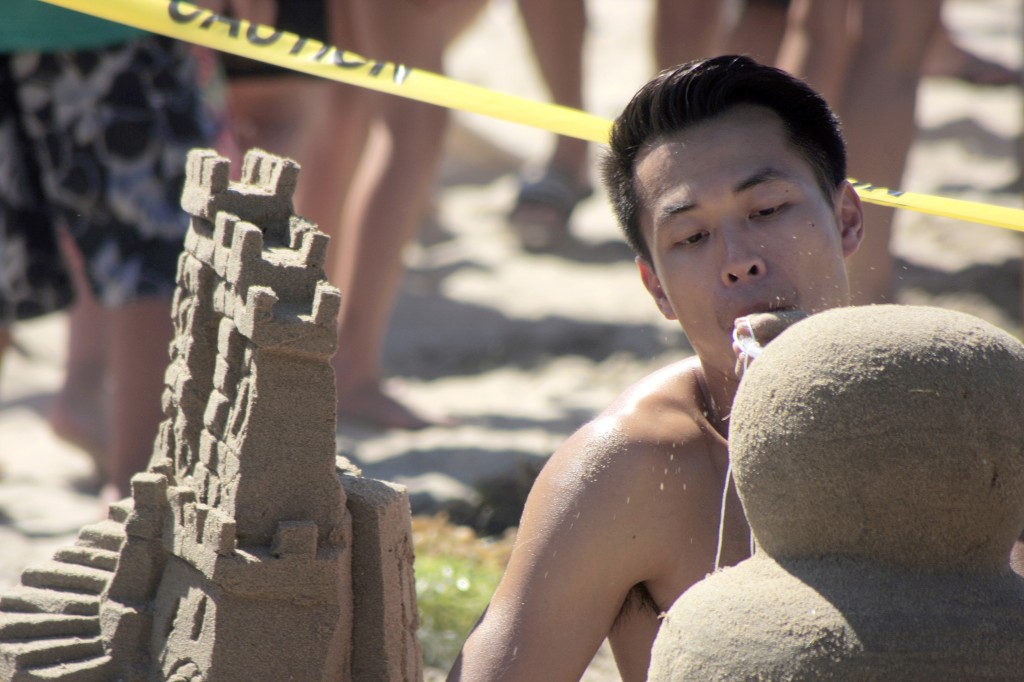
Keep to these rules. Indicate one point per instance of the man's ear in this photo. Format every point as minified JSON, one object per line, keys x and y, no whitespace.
{"x":850,"y":215}
{"x":653,"y":285}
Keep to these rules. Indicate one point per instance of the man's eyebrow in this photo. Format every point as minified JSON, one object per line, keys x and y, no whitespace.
{"x":760,"y":177}
{"x":676,"y":208}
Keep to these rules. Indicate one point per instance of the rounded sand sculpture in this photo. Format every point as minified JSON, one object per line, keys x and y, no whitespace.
{"x":879,"y":455}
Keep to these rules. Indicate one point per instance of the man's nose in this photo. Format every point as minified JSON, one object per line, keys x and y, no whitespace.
{"x":743,"y":262}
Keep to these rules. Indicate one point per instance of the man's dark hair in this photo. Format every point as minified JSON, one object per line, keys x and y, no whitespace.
{"x":693,"y":93}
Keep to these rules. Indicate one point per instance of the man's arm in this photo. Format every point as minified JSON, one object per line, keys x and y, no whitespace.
{"x":631,"y":498}
{"x":569,"y":572}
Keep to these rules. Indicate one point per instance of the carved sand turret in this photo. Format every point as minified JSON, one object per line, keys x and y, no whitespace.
{"x":879,"y":455}
{"x":244,"y":551}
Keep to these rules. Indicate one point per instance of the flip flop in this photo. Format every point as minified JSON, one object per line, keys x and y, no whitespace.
{"x":544,"y":206}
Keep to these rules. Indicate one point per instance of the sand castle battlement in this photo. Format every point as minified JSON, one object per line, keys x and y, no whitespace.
{"x":266,"y":188}
{"x":244,"y":551}
{"x":269,"y":263}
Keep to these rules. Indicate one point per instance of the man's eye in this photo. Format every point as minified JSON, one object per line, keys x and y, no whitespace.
{"x":693,"y":239}
{"x":767,"y":212}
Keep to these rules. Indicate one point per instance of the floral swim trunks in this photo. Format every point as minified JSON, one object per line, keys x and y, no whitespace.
{"x":95,"y":141}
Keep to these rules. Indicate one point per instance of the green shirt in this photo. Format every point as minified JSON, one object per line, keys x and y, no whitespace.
{"x":33,"y":25}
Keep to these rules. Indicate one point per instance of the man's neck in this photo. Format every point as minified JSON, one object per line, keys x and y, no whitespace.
{"x":719,"y":391}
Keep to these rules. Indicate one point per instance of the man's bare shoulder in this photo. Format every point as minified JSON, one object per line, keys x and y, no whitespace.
{"x":663,"y":412}
{"x":658,"y":404}
{"x":655,"y":437}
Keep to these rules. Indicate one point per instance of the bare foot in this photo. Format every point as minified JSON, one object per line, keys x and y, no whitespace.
{"x":372,"y":405}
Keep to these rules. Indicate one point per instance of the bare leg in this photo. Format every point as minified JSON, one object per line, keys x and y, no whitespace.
{"x":556,"y":31}
{"x":817,"y":44}
{"x":137,"y":357}
{"x":759,"y":31}
{"x":321,"y":125}
{"x":78,"y":413}
{"x":275,"y":113}
{"x":387,"y":199}
{"x":685,"y":30}
{"x":330,"y":163}
{"x":337,"y":143}
{"x":878,"y":106}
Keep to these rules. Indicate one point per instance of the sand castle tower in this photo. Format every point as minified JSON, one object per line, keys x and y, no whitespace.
{"x":244,"y":551}
{"x":879,"y":455}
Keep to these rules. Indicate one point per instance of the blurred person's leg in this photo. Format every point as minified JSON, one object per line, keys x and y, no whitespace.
{"x":276,"y":112}
{"x":213,"y":88}
{"x":548,"y":195}
{"x":78,"y":412}
{"x":877,"y":108}
{"x":685,"y":30}
{"x":273,"y":108}
{"x":330,"y":160}
{"x":339,"y":147}
{"x":136,"y":364}
{"x":318,"y":123}
{"x":109,"y":402}
{"x":817,"y":44}
{"x":759,"y":29}
{"x":388,"y":197}
{"x":288,"y":115}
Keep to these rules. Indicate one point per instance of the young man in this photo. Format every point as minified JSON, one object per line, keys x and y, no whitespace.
{"x":728,"y":178}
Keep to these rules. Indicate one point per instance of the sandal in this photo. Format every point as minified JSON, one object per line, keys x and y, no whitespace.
{"x":543,"y":208}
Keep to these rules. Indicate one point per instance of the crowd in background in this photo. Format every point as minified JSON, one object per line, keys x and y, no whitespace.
{"x":96,"y":119}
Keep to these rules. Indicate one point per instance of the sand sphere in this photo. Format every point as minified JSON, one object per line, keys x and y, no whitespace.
{"x":889,"y":432}
{"x":879,"y":455}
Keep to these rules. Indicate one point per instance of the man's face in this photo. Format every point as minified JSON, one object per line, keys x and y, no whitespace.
{"x":736,"y":224}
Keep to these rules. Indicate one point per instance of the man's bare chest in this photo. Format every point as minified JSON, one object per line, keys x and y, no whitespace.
{"x":713,"y":536}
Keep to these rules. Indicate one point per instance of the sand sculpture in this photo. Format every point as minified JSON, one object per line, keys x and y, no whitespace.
{"x":879,"y":456}
{"x":245,"y":552}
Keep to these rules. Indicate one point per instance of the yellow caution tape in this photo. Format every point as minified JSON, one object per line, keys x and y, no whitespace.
{"x":184,"y":21}
{"x":187,"y":22}
{"x":970,"y":211}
